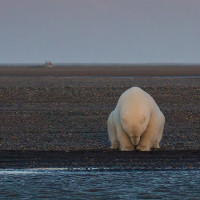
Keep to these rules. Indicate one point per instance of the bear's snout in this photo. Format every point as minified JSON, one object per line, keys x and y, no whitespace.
{"x":135,"y":140}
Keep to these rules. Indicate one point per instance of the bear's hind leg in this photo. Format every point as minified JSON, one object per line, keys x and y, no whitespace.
{"x":124,"y":140}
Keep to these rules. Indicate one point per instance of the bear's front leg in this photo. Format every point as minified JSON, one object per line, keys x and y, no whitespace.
{"x":148,"y":137}
{"x":160,"y":132}
{"x":112,"y":132}
{"x":124,"y":140}
{"x":115,"y":145}
{"x":156,"y":146}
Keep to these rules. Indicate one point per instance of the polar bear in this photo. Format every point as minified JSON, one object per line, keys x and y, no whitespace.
{"x":136,"y":121}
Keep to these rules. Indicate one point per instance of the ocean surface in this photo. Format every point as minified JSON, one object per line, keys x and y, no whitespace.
{"x":93,"y":184}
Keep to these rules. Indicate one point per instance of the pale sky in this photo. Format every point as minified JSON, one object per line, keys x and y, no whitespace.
{"x":100,"y":31}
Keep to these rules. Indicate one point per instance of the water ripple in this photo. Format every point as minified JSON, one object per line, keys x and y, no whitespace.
{"x":65,"y":184}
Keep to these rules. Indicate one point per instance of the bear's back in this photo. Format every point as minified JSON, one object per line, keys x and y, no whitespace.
{"x":135,"y":98}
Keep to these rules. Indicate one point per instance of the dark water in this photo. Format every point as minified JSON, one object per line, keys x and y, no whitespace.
{"x":65,"y":184}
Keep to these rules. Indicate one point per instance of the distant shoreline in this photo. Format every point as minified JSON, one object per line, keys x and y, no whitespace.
{"x":99,"y":70}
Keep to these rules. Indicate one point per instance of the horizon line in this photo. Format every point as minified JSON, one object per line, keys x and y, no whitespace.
{"x":98,"y":64}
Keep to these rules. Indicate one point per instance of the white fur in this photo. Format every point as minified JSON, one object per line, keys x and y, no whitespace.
{"x":136,"y":121}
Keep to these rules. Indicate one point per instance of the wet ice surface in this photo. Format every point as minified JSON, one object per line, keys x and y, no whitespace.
{"x":60,"y":183}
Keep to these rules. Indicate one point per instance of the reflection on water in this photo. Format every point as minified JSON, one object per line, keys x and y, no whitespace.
{"x":94,"y":184}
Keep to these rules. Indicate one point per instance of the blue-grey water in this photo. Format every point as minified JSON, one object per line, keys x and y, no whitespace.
{"x":82,"y":184}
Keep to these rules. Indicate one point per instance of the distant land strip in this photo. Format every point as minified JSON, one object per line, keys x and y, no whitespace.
{"x":99,"y":70}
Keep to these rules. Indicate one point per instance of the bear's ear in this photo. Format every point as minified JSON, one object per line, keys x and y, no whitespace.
{"x":142,"y":119}
{"x":145,"y":119}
